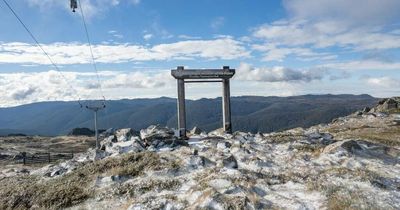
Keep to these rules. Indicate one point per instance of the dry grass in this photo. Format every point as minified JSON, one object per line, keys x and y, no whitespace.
{"x":345,"y":196}
{"x":31,"y":192}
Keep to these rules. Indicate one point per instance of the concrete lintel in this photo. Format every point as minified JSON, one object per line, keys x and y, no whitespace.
{"x":203,"y":73}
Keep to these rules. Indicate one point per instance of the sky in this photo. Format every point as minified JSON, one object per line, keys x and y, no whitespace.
{"x":278,"y":48}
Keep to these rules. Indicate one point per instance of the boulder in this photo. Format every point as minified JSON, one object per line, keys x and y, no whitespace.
{"x":366,"y":110}
{"x":223,"y":145}
{"x":320,"y":138}
{"x":347,"y":145}
{"x":196,"y":161}
{"x":124,"y":134}
{"x":390,"y":104}
{"x":230,"y":162}
{"x":196,"y":131}
{"x":108,"y":132}
{"x":156,"y":132}
{"x":217,"y":132}
{"x":96,"y":154}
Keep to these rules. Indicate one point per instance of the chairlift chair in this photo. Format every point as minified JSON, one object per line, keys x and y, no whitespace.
{"x":74,"y":5}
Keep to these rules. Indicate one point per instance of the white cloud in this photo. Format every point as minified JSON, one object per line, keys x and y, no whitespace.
{"x":21,"y":88}
{"x":138,"y":80}
{"x":147,"y":36}
{"x":115,"y":34}
{"x":362,"y":65}
{"x":183,"y":36}
{"x":217,"y":22}
{"x":306,"y":33}
{"x":274,"y":53}
{"x":77,"y":53}
{"x":313,"y":25}
{"x":135,"y":2}
{"x":354,"y":12}
{"x":385,"y":82}
{"x":247,"y":72}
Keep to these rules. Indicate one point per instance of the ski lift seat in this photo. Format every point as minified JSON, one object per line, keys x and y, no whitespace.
{"x":74,"y":5}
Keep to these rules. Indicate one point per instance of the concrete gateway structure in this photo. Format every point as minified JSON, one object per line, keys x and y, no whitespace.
{"x":203,"y":75}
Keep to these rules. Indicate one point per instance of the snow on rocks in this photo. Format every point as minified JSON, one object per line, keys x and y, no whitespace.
{"x":156,"y":132}
{"x":124,"y":134}
{"x":294,"y":169}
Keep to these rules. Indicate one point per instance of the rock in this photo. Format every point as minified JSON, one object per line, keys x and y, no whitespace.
{"x":217,"y":132}
{"x":157,"y":132}
{"x":108,"y":132}
{"x":347,"y":145}
{"x":320,"y":138}
{"x":124,"y":134}
{"x":196,"y":162}
{"x":390,"y":104}
{"x":96,"y":154}
{"x":230,"y":162}
{"x":387,"y":104}
{"x":220,"y":184}
{"x":57,"y":171}
{"x":223,"y":145}
{"x":196,"y":131}
{"x":315,"y":135}
{"x":195,"y":152}
{"x":107,"y":142}
{"x":396,"y":120}
{"x":359,"y":113}
{"x":133,"y":145}
{"x":366,"y":110}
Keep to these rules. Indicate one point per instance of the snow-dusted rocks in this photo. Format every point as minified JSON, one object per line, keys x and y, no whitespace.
{"x":124,"y":134}
{"x":230,"y":162}
{"x":156,"y":132}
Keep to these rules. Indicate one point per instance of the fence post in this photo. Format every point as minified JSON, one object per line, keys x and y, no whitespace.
{"x":49,"y":156}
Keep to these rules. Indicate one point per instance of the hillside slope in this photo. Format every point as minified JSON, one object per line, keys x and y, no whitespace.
{"x":250,"y":113}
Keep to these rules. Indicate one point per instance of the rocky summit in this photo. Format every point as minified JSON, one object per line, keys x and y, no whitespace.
{"x":351,"y":163}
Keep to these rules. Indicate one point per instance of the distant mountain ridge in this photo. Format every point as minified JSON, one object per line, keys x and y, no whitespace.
{"x":249,"y":113}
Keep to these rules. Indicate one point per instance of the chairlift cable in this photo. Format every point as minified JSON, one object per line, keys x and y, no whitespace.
{"x":91,"y":50}
{"x":40,"y":46}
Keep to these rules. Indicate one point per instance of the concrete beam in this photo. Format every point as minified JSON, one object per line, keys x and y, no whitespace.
{"x":224,"y":73}
{"x":181,"y":109}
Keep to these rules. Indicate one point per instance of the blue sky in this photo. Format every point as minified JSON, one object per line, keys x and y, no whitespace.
{"x":288,"y":47}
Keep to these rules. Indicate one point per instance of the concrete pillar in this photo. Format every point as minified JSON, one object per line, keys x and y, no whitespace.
{"x":226,"y":106}
{"x":181,"y":109}
{"x":96,"y":131}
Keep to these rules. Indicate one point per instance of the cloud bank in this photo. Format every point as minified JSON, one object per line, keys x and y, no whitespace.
{"x":76,"y":53}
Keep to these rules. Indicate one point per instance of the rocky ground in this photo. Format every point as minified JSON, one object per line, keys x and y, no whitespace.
{"x":351,"y":163}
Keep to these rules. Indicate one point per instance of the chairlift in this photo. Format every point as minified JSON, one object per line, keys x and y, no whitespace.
{"x":74,"y":5}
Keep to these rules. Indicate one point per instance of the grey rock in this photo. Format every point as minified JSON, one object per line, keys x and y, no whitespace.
{"x":196,"y":131}
{"x":196,"y":161}
{"x":223,"y":145}
{"x":124,"y":134}
{"x":230,"y":162}
{"x":108,"y":132}
{"x":156,"y":132}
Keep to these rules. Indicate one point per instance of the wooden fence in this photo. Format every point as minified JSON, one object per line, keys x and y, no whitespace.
{"x":44,"y":157}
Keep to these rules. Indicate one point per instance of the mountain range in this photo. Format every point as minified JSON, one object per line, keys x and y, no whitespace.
{"x":249,"y":113}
